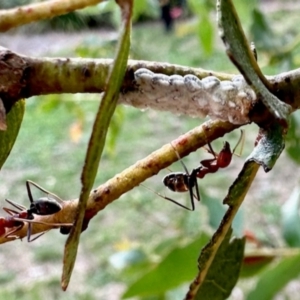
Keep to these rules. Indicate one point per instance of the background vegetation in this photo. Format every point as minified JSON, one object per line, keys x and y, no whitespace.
{"x":141,"y":230}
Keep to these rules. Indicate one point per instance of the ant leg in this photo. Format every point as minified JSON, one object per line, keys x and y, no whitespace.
{"x":242,"y":141}
{"x":193,"y":182}
{"x":210,"y":150}
{"x":208,"y":165}
{"x":10,"y":211}
{"x":170,"y":199}
{"x":43,"y":223}
{"x":9,"y":234}
{"x":29,"y":182}
{"x":179,"y":158}
{"x":179,"y":204}
{"x":16,"y":205}
{"x":37,"y":222}
{"x":29,"y":234}
{"x":35,"y":238}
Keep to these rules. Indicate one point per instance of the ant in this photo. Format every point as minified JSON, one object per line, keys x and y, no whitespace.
{"x":180,"y":182}
{"x":183,"y":182}
{"x":221,"y":160}
{"x":43,"y":206}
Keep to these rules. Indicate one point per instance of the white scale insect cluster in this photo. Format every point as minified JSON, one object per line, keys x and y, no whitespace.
{"x":225,"y":100}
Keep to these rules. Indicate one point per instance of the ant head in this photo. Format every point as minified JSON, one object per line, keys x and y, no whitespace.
{"x":45,"y":206}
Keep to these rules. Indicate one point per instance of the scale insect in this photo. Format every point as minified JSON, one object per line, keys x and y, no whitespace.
{"x":43,"y":206}
{"x":185,"y":181}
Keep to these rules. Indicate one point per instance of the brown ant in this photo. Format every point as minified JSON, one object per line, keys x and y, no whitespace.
{"x":221,"y":160}
{"x":43,"y":206}
{"x":183,"y":182}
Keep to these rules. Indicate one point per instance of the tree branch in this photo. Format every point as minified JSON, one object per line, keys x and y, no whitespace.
{"x":23,"y":77}
{"x":22,"y":15}
{"x":133,"y":176}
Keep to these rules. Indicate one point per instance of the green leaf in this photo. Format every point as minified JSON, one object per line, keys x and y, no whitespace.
{"x":274,"y":279}
{"x":114,"y":131}
{"x":244,"y":9}
{"x":234,"y":199}
{"x":242,"y":183}
{"x":239,"y":52}
{"x":224,"y":270}
{"x":179,"y":266}
{"x":291,"y":219}
{"x":139,"y":8}
{"x":97,"y":139}
{"x":216,"y":211}
{"x":8,"y":137}
{"x":205,"y":27}
{"x":206,"y":34}
{"x":262,"y":32}
{"x":293,"y":138}
{"x":127,"y":258}
{"x":269,"y":146}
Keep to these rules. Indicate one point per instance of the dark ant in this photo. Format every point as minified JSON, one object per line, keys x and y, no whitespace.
{"x":43,"y":206}
{"x":183,"y":182}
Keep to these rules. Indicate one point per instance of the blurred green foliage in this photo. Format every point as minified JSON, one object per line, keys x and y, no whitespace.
{"x":277,"y":47}
{"x":143,"y":237}
{"x":5,"y":4}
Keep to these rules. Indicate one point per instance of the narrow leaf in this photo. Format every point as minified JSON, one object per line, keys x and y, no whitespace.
{"x":8,"y":137}
{"x":234,"y":199}
{"x":97,"y":139}
{"x":224,"y":270}
{"x":239,"y":189}
{"x":291,"y":219}
{"x":205,"y":33}
{"x":253,"y":264}
{"x":179,"y":266}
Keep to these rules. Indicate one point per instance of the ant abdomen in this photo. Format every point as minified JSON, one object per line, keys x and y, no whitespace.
{"x":176,"y":182}
{"x":44,"y":206}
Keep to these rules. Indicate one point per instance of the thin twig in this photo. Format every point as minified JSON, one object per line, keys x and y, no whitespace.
{"x":134,"y":175}
{"x":21,"y":15}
